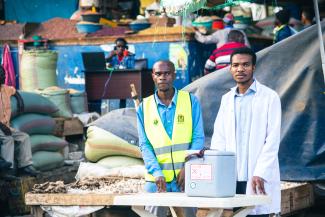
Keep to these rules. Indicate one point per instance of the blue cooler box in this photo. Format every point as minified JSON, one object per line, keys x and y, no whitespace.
{"x":213,"y":175}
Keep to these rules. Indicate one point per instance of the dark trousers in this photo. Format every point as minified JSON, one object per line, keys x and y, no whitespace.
{"x":241,"y":189}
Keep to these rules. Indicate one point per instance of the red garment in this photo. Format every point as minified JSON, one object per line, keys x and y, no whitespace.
{"x":225,"y":50}
{"x":8,"y":66}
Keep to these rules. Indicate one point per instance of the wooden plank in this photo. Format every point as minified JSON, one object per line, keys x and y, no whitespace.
{"x":297,"y":197}
{"x":146,"y":199}
{"x":72,"y":126}
{"x":67,"y":127}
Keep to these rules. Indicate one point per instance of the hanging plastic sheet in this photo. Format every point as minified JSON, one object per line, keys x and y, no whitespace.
{"x":8,"y":66}
{"x":293,"y":69}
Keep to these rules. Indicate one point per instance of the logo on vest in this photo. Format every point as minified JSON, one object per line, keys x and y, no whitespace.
{"x":180,"y":119}
{"x":155,"y":122}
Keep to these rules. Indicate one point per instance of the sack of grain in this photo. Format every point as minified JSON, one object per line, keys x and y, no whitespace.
{"x":38,"y":69}
{"x":78,"y":100}
{"x":31,"y":123}
{"x":32,"y":103}
{"x":60,"y":97}
{"x":119,"y":161}
{"x":101,"y":143}
{"x":47,"y":143}
{"x":47,"y":160}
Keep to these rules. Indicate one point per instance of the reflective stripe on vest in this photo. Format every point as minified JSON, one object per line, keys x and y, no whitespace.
{"x":170,"y":153}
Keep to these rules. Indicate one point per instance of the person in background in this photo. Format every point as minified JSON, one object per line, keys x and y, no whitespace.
{"x":220,"y":37}
{"x":220,"y":57}
{"x":120,"y":57}
{"x":169,"y":124}
{"x":15,"y":145}
{"x":307,"y":17}
{"x":248,"y":123}
{"x":282,"y":30}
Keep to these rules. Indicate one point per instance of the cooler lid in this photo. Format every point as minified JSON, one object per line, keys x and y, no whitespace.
{"x":218,"y":153}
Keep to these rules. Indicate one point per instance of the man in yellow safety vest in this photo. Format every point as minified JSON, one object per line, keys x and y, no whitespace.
{"x":169,"y":124}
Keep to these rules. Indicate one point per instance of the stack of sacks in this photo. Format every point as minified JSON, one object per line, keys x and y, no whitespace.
{"x":112,"y":140}
{"x":60,"y":98}
{"x":70,"y":102}
{"x":32,"y":114}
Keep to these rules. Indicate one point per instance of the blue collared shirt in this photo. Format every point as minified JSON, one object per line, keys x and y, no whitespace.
{"x":243,"y":115}
{"x":167,"y":114}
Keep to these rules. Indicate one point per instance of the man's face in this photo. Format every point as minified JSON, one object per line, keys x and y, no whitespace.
{"x":242,"y":68}
{"x":163,"y":76}
{"x":120,"y":47}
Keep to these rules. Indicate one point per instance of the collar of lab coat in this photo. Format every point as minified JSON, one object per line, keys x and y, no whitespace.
{"x":255,"y":87}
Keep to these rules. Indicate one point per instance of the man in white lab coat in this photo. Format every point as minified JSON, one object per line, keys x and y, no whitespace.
{"x":248,"y":123}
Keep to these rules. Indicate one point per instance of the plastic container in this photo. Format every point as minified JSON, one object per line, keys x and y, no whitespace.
{"x":88,"y":27}
{"x":217,"y":24}
{"x":91,"y":17}
{"x":104,"y":107}
{"x":213,"y":175}
{"x":139,"y":26}
{"x":207,"y":24}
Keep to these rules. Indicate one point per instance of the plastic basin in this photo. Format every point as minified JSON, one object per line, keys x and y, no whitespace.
{"x":88,"y":28}
{"x":91,"y":17}
{"x":139,"y":26}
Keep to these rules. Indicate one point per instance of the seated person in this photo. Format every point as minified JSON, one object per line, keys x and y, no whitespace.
{"x":220,"y":57}
{"x":120,"y":57}
{"x":15,"y":145}
{"x":282,"y":30}
{"x":307,"y":17}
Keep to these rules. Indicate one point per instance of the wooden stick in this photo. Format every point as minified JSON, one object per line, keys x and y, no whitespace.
{"x":135,"y":96}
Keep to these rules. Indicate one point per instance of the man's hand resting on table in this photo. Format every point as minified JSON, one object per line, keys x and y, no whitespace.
{"x":181,"y":179}
{"x":161,"y":184}
{"x":258,"y":185}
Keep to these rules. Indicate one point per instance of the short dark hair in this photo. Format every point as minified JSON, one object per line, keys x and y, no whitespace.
{"x":121,"y":40}
{"x":244,"y":50}
{"x":283,"y":16}
{"x":236,"y":36}
{"x":309,"y":13}
{"x":168,"y":62}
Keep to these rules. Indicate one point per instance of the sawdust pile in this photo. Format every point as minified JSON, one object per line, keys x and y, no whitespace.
{"x":50,"y":187}
{"x":106,"y":185}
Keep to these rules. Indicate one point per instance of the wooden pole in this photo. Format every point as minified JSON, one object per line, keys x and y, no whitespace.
{"x":135,"y":96}
{"x":320,"y":36}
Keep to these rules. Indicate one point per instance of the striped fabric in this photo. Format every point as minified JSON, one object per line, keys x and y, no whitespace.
{"x":220,"y":57}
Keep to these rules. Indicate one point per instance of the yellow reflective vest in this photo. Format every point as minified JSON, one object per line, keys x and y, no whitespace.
{"x":170,"y":152}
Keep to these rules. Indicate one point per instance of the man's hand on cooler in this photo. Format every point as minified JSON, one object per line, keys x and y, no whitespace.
{"x":258,"y":185}
{"x":161,"y":183}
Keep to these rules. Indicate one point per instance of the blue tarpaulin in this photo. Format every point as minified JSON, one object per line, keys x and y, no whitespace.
{"x":38,"y":10}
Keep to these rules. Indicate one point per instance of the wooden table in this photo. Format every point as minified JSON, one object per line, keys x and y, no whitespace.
{"x":118,"y":84}
{"x":138,"y":201}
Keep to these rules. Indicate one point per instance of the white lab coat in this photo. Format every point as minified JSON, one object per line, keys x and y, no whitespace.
{"x":263,"y":142}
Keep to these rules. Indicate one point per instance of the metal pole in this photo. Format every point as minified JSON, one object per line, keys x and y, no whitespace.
{"x":320,"y":36}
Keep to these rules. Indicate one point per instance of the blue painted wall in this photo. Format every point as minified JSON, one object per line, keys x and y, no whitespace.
{"x":38,"y":10}
{"x":189,"y":58}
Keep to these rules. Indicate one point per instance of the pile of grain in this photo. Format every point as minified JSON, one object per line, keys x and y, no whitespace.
{"x":163,"y":30}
